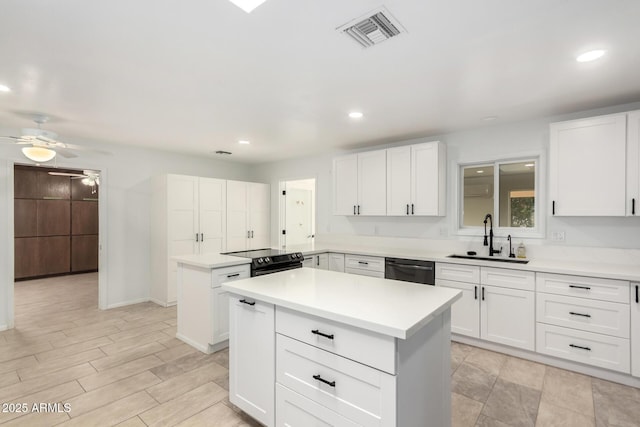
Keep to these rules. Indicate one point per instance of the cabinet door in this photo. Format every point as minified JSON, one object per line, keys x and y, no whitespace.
{"x":54,"y":217}
{"x":372,"y":183}
{"x":587,"y":165}
{"x":79,"y":191}
{"x":27,"y":257}
{"x":220,"y":315}
{"x":55,"y":254}
{"x":25,"y":218}
{"x":399,"y":181}
{"x":428,"y":174}
{"x":84,"y":217}
{"x":309,"y":261}
{"x":212,"y":208}
{"x":507,"y":316}
{"x":322,"y":261}
{"x":237,"y":219}
{"x":294,"y":410}
{"x":259,"y":202}
{"x":251,"y":378}
{"x":336,"y":262}
{"x":635,"y":329}
{"x":84,"y":253}
{"x":465,"y":313}
{"x":53,"y":186}
{"x":345,"y":185}
{"x":25,"y":183}
{"x":633,"y":163}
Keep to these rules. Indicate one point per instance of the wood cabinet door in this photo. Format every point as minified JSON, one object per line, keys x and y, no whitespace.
{"x":84,"y":253}
{"x":25,"y":183}
{"x":25,"y":218}
{"x":54,"y":217}
{"x":53,"y":186}
{"x":26,"y":257}
{"x":79,"y":191}
{"x":84,"y":217}
{"x":54,"y":254}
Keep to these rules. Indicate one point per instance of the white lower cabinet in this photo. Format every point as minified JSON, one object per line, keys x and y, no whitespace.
{"x":252,"y":357}
{"x":364,"y":265}
{"x":497,"y":304}
{"x":295,"y":410}
{"x":635,"y":329}
{"x":336,"y":262}
{"x":319,"y":261}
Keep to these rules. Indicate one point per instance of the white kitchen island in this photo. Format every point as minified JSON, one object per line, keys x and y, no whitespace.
{"x":312,"y":348}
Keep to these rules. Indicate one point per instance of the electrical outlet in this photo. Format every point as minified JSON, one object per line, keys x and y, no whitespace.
{"x":557,"y":236}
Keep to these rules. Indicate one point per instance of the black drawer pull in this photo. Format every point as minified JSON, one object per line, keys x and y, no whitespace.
{"x":317,"y":332}
{"x":229,"y":276}
{"x":580,"y":287}
{"x":319,"y":378}
{"x":483,"y":293}
{"x":580,"y":347}
{"x":637,"y":296}
{"x":407,"y":209}
{"x":633,"y":206}
{"x":579,"y":314}
{"x":475,"y":292}
{"x":363,"y":262}
{"x":412,"y":209}
{"x":553,"y":207}
{"x":244,"y":301}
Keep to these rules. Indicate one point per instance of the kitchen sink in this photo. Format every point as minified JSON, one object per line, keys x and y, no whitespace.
{"x":490,"y":258}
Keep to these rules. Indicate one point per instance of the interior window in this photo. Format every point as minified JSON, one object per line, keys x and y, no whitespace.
{"x":513,"y":205}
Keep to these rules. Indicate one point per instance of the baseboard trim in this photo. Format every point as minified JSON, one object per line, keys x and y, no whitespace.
{"x":205,"y":349}
{"x":162,"y":303}
{"x":130,"y":302}
{"x":4,"y":327}
{"x":593,"y":371}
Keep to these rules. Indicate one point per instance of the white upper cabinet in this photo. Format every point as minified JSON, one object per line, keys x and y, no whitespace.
{"x":416,"y":180}
{"x":633,"y":163}
{"x":587,"y":165}
{"x":212,"y":214}
{"x":359,"y":184}
{"x":248,"y":216}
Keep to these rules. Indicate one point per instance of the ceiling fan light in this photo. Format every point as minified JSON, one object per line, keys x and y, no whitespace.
{"x":38,"y":154}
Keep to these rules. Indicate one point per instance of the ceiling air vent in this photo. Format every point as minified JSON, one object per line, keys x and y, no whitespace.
{"x":372,"y":28}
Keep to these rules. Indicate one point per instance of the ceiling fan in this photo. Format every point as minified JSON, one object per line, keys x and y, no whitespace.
{"x":42,"y":145}
{"x":89,"y":177}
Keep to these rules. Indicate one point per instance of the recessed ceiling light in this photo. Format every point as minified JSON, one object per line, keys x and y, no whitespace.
{"x":4,"y":88}
{"x":244,"y":142}
{"x":356,"y":115}
{"x":490,"y":118}
{"x":480,"y":171}
{"x":247,"y":5}
{"x":592,"y":55}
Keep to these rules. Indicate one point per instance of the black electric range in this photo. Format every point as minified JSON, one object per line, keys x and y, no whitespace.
{"x":267,"y":261}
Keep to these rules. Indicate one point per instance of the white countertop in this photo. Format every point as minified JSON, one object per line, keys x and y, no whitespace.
{"x":211,"y":260}
{"x":389,"y":307}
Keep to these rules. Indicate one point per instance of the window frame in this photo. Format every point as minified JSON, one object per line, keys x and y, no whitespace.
{"x":540,"y":197}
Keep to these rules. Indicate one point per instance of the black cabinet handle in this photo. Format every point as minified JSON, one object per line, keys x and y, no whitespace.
{"x":232,"y":275}
{"x":318,"y":260}
{"x":197,"y":237}
{"x":354,"y":209}
{"x":580,"y":347}
{"x":412,"y":213}
{"x":580,"y":287}
{"x":202,"y":237}
{"x":475,"y":292}
{"x":358,"y":209}
{"x":244,"y":301}
{"x":407,"y":209}
{"x":317,"y":332}
{"x":633,"y":206}
{"x":637,"y":297}
{"x":363,"y":262}
{"x":579,"y":314}
{"x":319,"y":378}
{"x":483,"y":293}
{"x":553,"y":207}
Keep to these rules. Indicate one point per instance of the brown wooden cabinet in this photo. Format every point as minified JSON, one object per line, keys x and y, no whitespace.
{"x":53,"y":234}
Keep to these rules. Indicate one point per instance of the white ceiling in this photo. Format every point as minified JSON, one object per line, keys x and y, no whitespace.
{"x":195,"y":76}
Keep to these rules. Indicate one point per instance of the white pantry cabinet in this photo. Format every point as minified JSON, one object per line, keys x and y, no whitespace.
{"x":252,"y":377}
{"x":633,"y":163}
{"x":248,"y":215}
{"x":359,"y":184}
{"x":587,"y":165}
{"x":497,"y":304}
{"x":188,"y":217}
{"x":416,"y":180}
{"x":635,"y":329}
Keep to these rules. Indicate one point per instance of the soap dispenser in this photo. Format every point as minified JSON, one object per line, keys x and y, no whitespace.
{"x":522,"y":251}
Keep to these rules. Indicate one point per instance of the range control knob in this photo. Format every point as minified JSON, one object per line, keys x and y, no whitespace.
{"x":299,"y":255}
{"x":267,"y":259}
{"x":260,"y":260}
{"x":293,"y":256}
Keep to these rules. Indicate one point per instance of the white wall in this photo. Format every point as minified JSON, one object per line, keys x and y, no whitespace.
{"x":487,"y":143}
{"x":127,"y":190}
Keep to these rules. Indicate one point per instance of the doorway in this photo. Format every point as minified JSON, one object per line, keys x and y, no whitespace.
{"x":297,"y":212}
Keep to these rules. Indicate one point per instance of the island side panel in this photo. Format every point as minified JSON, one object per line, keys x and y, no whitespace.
{"x":424,"y":375}
{"x":194,"y":309}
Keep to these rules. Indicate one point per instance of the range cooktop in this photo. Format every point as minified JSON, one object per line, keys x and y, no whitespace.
{"x":257,"y":253}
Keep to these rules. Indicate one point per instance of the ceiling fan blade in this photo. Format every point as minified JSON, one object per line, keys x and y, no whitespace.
{"x":65,"y":153}
{"x":80,"y":147}
{"x":75,"y":175}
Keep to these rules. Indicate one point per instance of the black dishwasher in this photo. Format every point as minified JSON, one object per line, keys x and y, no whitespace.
{"x":410,"y":270}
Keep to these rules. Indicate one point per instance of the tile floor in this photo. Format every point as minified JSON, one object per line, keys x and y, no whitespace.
{"x":124,"y":367}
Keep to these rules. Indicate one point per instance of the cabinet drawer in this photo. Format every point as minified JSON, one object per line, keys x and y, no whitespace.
{"x":585,"y":347}
{"x":458,"y":272}
{"x":358,"y":344}
{"x":364,"y":263}
{"x":587,"y":315}
{"x":228,"y":274}
{"x":295,"y":410}
{"x":506,"y":278}
{"x":585,"y":287}
{"x":353,"y":390}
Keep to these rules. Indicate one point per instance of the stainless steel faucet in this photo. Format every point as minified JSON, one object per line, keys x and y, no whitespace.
{"x":489,"y":243}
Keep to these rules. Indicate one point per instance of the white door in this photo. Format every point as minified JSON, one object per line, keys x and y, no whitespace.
{"x":425,"y":179}
{"x":372,"y":183}
{"x":251,"y":378}
{"x":507,"y":316}
{"x":182,"y":201}
{"x":298,"y":216}
{"x":345,"y":185}
{"x":635,"y":329}
{"x":465,"y":313}
{"x":213,"y":204}
{"x":259,"y":218}
{"x":633,"y":164}
{"x":237,"y":220}
{"x":399,"y":181}
{"x":587,"y":165}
